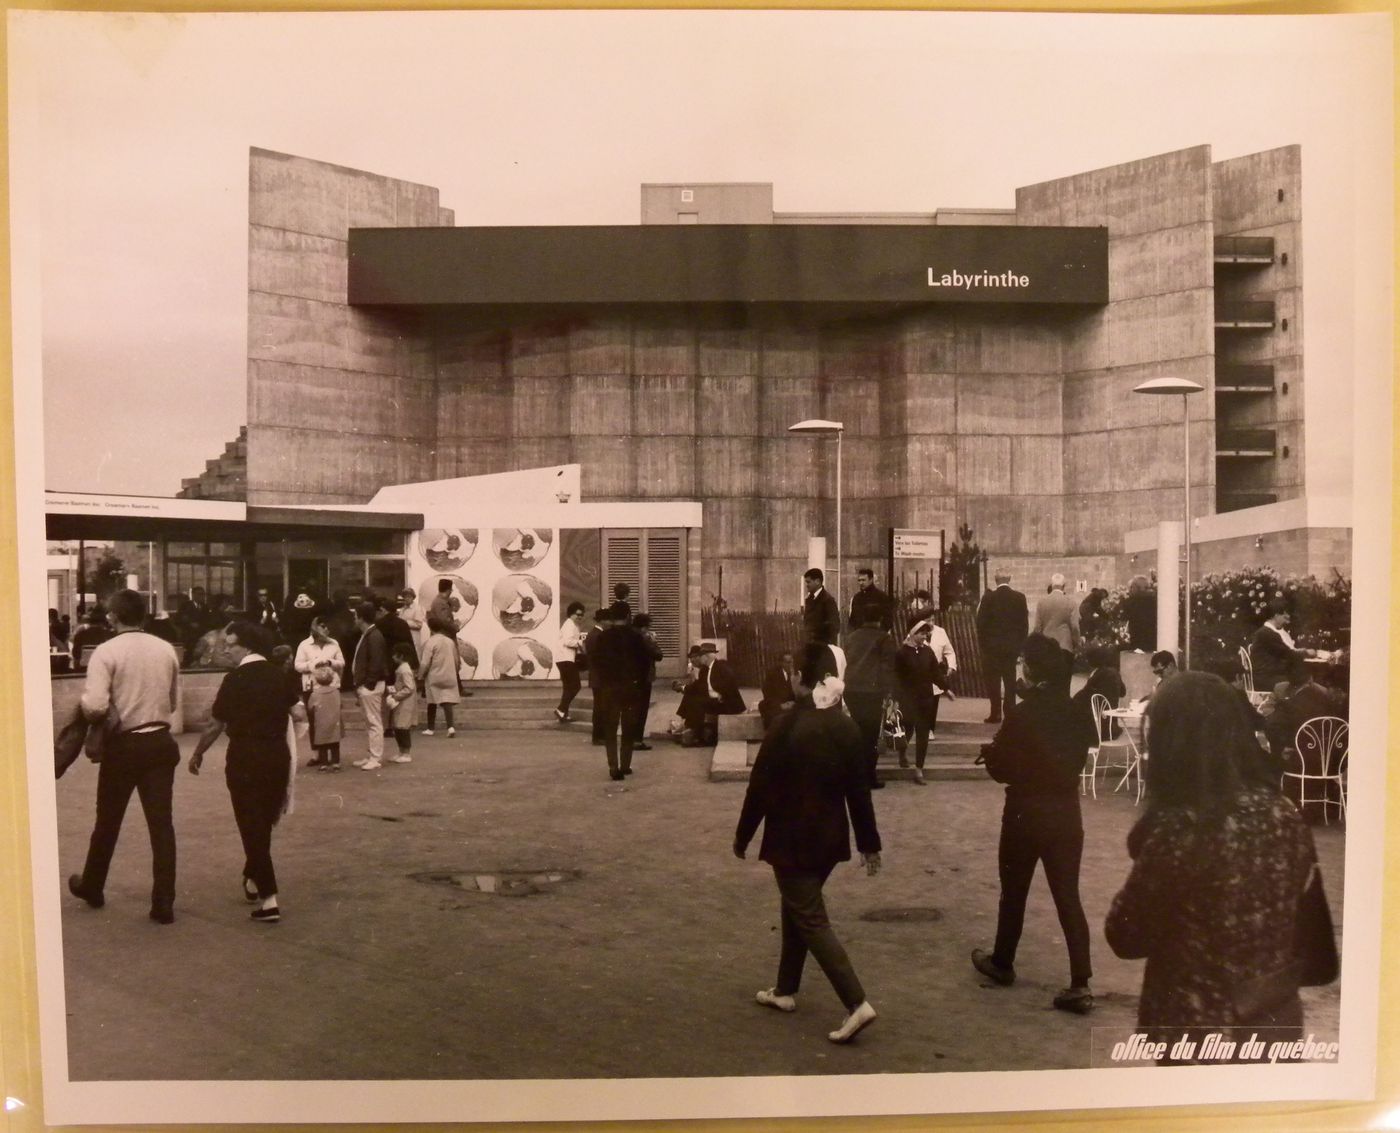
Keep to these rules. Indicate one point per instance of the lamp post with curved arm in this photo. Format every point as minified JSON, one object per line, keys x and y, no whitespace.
{"x":1185,"y":388}
{"x":822,"y":428}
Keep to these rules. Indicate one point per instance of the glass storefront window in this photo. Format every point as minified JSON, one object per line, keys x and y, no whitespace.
{"x":386,"y":576}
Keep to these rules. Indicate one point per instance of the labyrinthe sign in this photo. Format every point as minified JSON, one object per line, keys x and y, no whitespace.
{"x":738,"y":263}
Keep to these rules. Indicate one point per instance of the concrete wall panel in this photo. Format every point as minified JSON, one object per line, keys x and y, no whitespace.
{"x":855,"y":402}
{"x":789,"y":467}
{"x":540,"y":407}
{"x":742,"y":581}
{"x":665,"y":467}
{"x":342,"y":400}
{"x":922,"y":465}
{"x":727,"y":351}
{"x":984,"y":465}
{"x":609,"y":471}
{"x":1165,"y":191}
{"x":1088,"y":464}
{"x":1001,"y":344}
{"x":928,"y":343}
{"x":332,"y":463}
{"x":602,"y":346}
{"x":853,"y":354}
{"x":1154,"y":263}
{"x":472,"y":357}
{"x":664,"y":404}
{"x":1037,"y":466}
{"x":1246,"y":189}
{"x":727,"y":405}
{"x":1034,"y":526}
{"x":727,"y":466}
{"x":662,"y":349}
{"x":917,"y":403}
{"x":480,"y":410}
{"x":786,"y":401}
{"x":1008,"y":403}
{"x":476,"y":456}
{"x":539,"y":452}
{"x":791,"y":522}
{"x":734,"y":527}
{"x":293,"y":263}
{"x":539,"y":352}
{"x":925,"y":513}
{"x":790,"y":353}
{"x":601,"y":405}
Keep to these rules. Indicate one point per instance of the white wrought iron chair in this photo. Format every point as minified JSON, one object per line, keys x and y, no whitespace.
{"x":1101,"y":755}
{"x":1256,"y":697}
{"x":1321,"y":745}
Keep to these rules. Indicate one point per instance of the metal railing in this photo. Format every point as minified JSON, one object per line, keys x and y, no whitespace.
{"x":1238,"y":500}
{"x":1242,"y":442}
{"x":1244,"y":249}
{"x":1251,"y":377}
{"x":1249,"y":312}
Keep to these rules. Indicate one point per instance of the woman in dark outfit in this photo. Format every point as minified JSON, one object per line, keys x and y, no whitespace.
{"x":919,"y":671}
{"x":253,"y":704}
{"x":1224,"y":899}
{"x":810,"y":771}
{"x":1038,"y":753}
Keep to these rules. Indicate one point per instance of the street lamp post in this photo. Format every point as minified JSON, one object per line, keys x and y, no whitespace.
{"x":1185,"y":387}
{"x":829,"y":429}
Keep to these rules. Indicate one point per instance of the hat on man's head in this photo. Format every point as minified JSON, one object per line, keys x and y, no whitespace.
{"x":704,"y":647}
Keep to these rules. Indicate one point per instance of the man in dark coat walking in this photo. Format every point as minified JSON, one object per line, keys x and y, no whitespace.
{"x":617,"y":662}
{"x":810,"y":773}
{"x":1003,"y":621}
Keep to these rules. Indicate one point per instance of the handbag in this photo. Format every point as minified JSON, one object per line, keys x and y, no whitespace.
{"x":891,"y":724}
{"x":1315,"y":961}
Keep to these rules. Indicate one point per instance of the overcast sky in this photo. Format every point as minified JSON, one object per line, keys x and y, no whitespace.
{"x":141,"y":125}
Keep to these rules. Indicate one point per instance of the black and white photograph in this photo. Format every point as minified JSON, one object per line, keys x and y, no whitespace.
{"x":930,"y":476}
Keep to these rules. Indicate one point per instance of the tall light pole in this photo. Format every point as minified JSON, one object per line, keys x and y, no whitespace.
{"x":829,"y":429}
{"x":1185,"y":387}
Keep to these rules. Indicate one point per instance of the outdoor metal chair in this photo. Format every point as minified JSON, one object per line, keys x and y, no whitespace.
{"x":1256,"y":698}
{"x":1101,"y":755}
{"x":1321,"y":746}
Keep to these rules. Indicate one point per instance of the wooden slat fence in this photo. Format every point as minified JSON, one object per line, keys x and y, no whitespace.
{"x":756,"y":640}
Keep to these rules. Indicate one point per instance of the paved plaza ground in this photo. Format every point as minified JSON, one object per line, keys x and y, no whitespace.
{"x":623,"y":938}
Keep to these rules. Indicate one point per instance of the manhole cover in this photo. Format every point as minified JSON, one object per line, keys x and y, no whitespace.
{"x":499,"y":883}
{"x":919,"y":913}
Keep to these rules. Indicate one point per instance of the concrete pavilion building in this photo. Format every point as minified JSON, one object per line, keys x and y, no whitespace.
{"x":982,"y":362}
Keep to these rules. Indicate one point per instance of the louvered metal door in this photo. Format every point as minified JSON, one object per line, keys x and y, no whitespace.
{"x":652,"y":563}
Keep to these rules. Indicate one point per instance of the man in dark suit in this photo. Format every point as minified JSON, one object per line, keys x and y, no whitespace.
{"x":617,"y":662}
{"x":1003,"y":622}
{"x":810,"y":773}
{"x":713,"y":692}
{"x":776,"y":690}
{"x":821,"y":618}
{"x":869,"y":603}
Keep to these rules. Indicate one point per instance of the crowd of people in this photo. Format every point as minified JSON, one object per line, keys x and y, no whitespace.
{"x":1222,"y":897}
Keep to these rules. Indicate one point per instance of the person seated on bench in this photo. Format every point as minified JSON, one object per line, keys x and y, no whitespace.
{"x":714,"y":692}
{"x":777,"y":690}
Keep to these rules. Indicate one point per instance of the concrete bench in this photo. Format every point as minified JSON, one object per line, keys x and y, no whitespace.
{"x":745,"y":727}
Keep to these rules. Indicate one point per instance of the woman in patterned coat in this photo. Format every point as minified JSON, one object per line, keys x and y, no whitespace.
{"x":1220,"y":863}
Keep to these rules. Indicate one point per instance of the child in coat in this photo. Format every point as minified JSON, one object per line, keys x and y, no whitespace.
{"x":323,"y":706}
{"x":402,"y":701}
